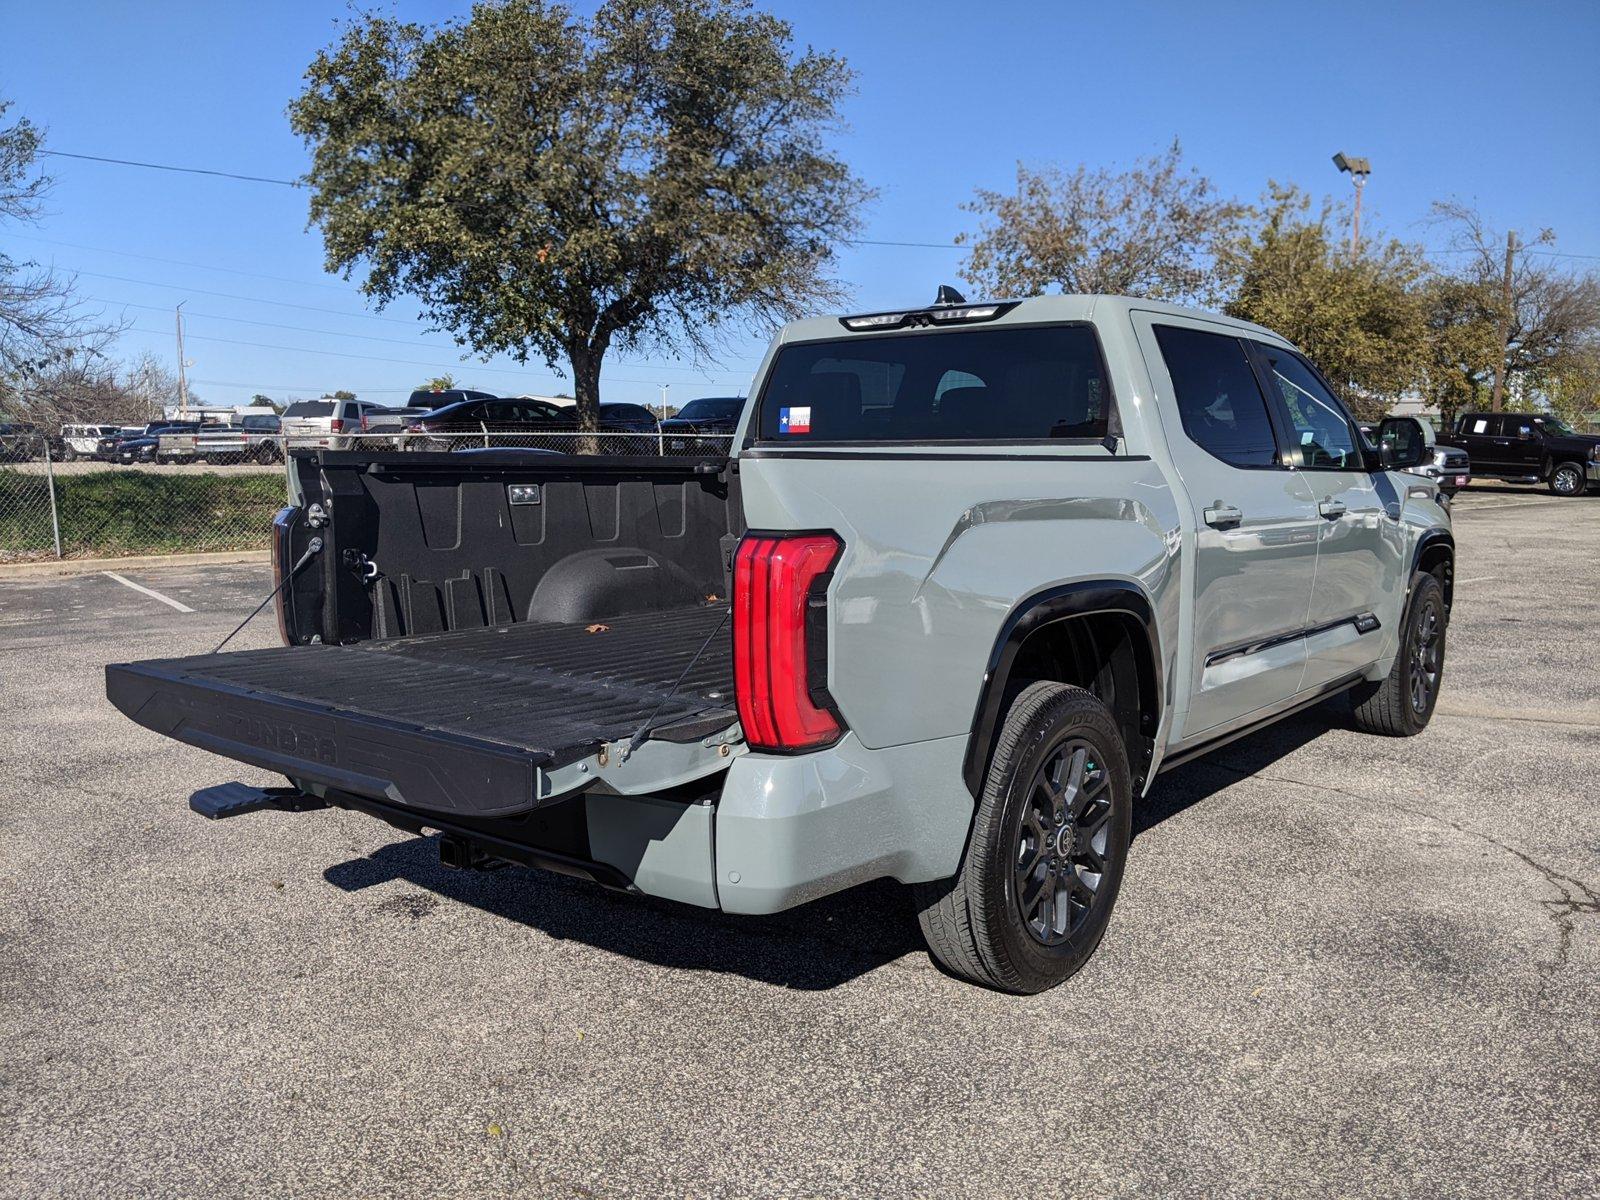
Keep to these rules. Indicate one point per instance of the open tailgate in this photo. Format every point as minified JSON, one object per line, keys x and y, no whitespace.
{"x":475,"y":722}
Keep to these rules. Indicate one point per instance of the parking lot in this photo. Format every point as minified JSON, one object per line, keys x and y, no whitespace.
{"x":1339,"y":964}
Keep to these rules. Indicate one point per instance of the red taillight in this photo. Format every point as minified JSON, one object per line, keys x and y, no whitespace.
{"x":779,"y":657}
{"x":337,"y":425}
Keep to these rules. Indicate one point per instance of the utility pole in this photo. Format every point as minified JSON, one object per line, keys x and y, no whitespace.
{"x":1503,"y":327}
{"x":183,"y":378}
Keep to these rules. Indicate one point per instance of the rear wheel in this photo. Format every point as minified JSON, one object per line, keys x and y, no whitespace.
{"x":68,"y":454}
{"x":1043,"y":863}
{"x":1402,"y":703}
{"x":1568,"y":479}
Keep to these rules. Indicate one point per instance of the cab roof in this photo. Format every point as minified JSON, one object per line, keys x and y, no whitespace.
{"x":1033,"y":310}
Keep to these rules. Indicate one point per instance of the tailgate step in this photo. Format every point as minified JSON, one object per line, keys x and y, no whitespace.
{"x":236,"y":799}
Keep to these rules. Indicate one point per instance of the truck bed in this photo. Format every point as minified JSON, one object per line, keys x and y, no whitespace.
{"x":461,"y":722}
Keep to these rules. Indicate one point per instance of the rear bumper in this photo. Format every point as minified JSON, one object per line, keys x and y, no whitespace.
{"x":789,"y":830}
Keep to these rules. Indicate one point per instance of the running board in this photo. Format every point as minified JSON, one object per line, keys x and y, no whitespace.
{"x":1184,"y":754}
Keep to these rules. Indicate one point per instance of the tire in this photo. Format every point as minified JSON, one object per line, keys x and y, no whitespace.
{"x":1021,"y":914}
{"x":1402,"y":704}
{"x":1568,"y":479}
{"x":68,"y":454}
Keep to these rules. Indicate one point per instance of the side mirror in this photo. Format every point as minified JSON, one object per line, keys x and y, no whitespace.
{"x":1402,"y":443}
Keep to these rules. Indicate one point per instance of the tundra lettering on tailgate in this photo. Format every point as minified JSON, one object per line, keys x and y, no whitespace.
{"x":276,"y":736}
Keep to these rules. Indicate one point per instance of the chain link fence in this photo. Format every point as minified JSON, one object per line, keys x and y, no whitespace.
{"x":176,"y":496}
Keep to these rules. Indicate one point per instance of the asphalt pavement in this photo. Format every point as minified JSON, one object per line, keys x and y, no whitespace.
{"x":1339,"y":964}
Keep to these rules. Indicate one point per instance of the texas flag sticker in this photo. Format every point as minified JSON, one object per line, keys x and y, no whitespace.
{"x":794,"y":420}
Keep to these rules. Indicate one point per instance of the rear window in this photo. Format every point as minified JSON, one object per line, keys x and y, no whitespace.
{"x":1029,"y":384}
{"x":259,"y":423}
{"x":310,"y":408}
{"x":712,"y":410}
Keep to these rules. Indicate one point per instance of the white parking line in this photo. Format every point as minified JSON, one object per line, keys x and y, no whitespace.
{"x":151,"y":592}
{"x":1482,"y":507}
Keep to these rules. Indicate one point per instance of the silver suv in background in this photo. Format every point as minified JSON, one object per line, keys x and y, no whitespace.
{"x":326,"y":424}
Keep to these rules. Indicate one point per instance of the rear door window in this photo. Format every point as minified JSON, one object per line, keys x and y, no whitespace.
{"x":1037,"y":383}
{"x":1219,"y":400}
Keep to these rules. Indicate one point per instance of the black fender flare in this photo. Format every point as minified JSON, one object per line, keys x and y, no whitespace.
{"x":1035,"y":611}
{"x":1431,"y":538}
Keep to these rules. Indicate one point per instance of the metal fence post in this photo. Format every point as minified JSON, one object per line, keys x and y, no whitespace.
{"x":50,"y":476}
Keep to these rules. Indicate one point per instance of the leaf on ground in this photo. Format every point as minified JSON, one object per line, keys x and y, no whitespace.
{"x":596,"y":628}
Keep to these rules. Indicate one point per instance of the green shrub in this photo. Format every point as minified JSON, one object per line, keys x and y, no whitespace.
{"x":119,"y":512}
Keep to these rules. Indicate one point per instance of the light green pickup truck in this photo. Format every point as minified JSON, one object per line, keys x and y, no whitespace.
{"x":971,"y":578}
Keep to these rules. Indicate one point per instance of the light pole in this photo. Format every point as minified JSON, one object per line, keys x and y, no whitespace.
{"x":1358,"y":170}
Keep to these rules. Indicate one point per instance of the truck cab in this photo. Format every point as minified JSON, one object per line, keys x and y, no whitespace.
{"x":971,"y":576}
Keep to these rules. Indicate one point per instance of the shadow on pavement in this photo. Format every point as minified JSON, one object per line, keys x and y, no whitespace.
{"x":817,"y":946}
{"x":1185,"y":786}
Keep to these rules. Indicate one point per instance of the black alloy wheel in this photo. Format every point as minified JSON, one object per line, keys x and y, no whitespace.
{"x":1427,"y":654}
{"x":1061,"y":845}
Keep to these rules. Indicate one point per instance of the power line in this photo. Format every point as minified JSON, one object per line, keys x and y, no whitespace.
{"x":179,"y":287}
{"x":368,"y":337}
{"x":410,"y":362}
{"x":359,"y":389}
{"x":293,"y":183}
{"x":178,"y":262}
{"x":128,"y":162}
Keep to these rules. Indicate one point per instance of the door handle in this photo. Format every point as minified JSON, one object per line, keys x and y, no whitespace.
{"x":1221,"y":516}
{"x":1332,"y":509}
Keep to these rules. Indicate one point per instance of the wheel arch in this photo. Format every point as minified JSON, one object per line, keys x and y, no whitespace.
{"x":1100,"y":634}
{"x":1436,"y":554}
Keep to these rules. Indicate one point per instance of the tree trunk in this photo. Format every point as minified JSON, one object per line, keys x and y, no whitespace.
{"x":586,"y":361}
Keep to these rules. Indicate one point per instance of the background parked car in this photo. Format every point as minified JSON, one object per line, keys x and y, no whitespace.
{"x":528,"y":421}
{"x":19,"y":442}
{"x":253,"y":437}
{"x":425,"y":400}
{"x":81,"y":441}
{"x":1529,"y":447}
{"x":145,"y":446}
{"x":705,"y":425}
{"x":325,"y":423}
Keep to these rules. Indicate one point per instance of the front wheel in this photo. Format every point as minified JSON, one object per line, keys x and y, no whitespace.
{"x":1043,"y":863}
{"x":1402,"y":704}
{"x":1568,"y":479}
{"x":68,"y":454}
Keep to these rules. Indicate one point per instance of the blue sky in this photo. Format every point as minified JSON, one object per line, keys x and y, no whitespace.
{"x":1494,"y":103}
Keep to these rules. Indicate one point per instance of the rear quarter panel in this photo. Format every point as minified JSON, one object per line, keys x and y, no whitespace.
{"x":940,"y":546}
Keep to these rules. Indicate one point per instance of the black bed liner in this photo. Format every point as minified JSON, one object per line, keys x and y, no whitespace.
{"x":455,"y":722}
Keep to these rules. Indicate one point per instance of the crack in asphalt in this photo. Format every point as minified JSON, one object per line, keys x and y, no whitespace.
{"x":1576,"y":897}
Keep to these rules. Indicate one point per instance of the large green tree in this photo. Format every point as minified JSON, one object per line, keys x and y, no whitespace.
{"x":1153,"y":230}
{"x":1535,"y":324}
{"x":552,"y":185}
{"x":1360,"y":319}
